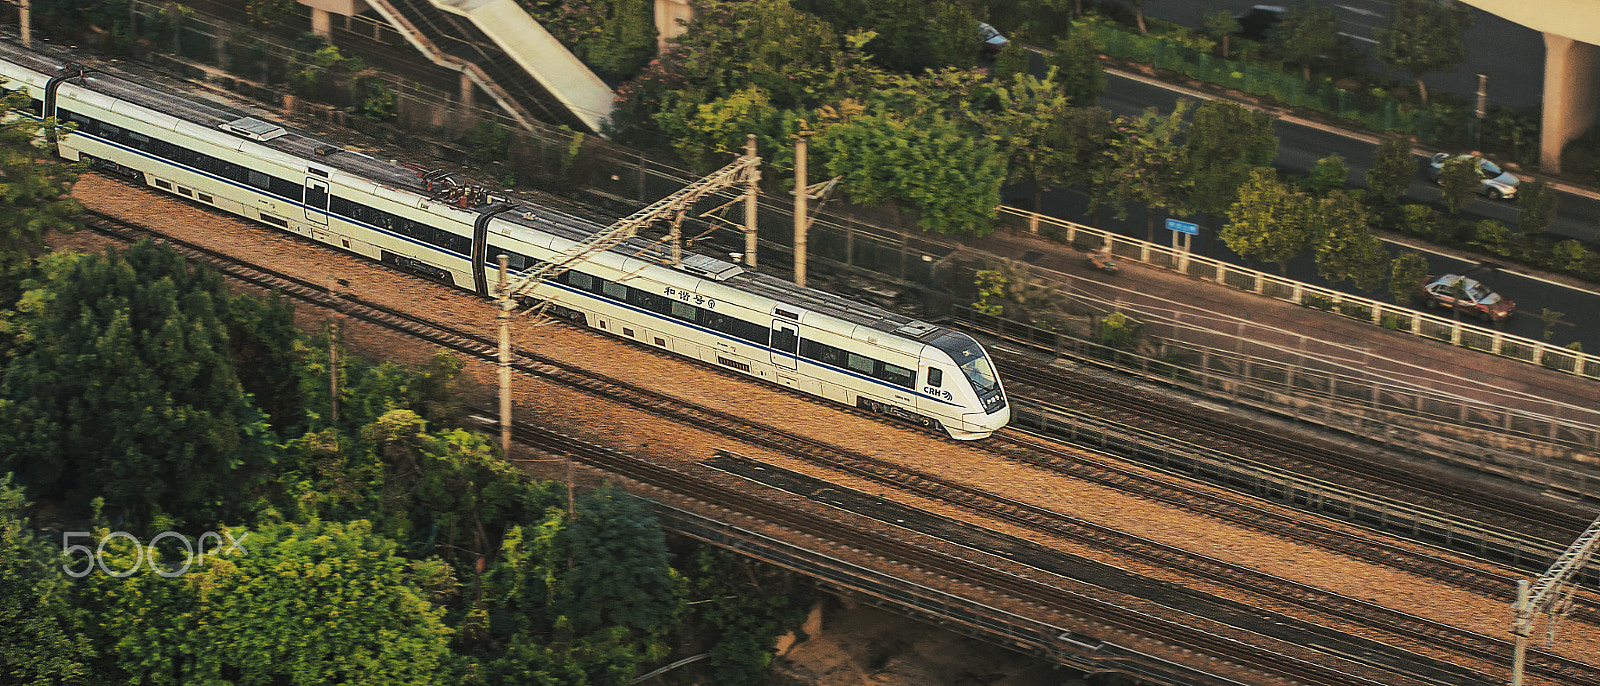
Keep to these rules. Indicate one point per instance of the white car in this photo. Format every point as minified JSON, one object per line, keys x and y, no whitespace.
{"x":993,"y":42}
{"x":1497,"y":183}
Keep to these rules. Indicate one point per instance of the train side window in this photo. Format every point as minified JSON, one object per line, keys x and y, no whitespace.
{"x":899,"y":376}
{"x":935,"y":377}
{"x":614,"y":290}
{"x":860,"y":364}
{"x":260,"y":180}
{"x":821,"y":352}
{"x":683,"y":311}
{"x":514,"y":261}
{"x":111,"y":132}
{"x":36,"y":106}
{"x":580,"y":280}
{"x":750,"y":331}
{"x":139,"y":140}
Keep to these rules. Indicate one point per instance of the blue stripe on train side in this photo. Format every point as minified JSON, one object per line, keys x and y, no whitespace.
{"x":255,"y":191}
{"x":258,"y":192}
{"x":742,"y":341}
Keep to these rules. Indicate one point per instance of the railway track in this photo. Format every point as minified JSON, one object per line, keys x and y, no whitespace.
{"x":1312,"y":458}
{"x":777,"y":439}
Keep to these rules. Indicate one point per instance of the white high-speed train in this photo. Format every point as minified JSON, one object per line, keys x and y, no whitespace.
{"x":704,"y":308}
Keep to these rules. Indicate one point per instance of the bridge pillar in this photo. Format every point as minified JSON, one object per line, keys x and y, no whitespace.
{"x":1570,"y":95}
{"x":468,"y":91}
{"x":321,"y":23}
{"x":668,"y":14}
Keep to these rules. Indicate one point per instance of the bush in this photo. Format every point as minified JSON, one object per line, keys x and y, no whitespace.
{"x":1493,"y":237}
{"x":1421,"y":221}
{"x":489,"y":141}
{"x":1317,"y":301}
{"x":1117,"y":330}
{"x":1571,"y":257}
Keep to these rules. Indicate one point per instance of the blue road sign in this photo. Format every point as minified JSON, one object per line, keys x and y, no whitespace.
{"x":1183,"y":227}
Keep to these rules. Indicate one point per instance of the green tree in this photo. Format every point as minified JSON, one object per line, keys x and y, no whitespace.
{"x":124,"y":388}
{"x":903,"y":34}
{"x":625,"y":40}
{"x":953,"y":35}
{"x":262,"y":342}
{"x":1346,"y":250}
{"x":1572,"y":257}
{"x":313,"y":603}
{"x":591,"y":596}
{"x":1493,"y":237}
{"x":1307,"y":31}
{"x":1011,"y":62}
{"x":1406,"y":275}
{"x":991,"y":284}
{"x":1327,"y":175}
{"x":1144,"y":163}
{"x":1083,"y":133}
{"x":36,"y":183}
{"x":1423,"y":37}
{"x":490,"y":141}
{"x":1459,"y":181}
{"x":1269,"y":221}
{"x":265,"y":13}
{"x":748,"y":605}
{"x":42,"y":647}
{"x":1078,"y":70}
{"x":1220,"y":25}
{"x":1226,"y":142}
{"x":950,"y":178}
{"x":1392,"y":171}
{"x":1537,"y":203}
{"x":1025,"y":127}
{"x":717,"y":128}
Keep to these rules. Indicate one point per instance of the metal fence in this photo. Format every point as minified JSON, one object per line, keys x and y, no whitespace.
{"x":1368,"y":408}
{"x":861,"y":239}
{"x":1388,"y":315}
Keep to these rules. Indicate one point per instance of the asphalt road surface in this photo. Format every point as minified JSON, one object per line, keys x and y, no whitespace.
{"x":1299,"y":148}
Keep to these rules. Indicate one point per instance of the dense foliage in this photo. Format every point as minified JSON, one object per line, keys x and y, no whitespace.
{"x":377,"y":544}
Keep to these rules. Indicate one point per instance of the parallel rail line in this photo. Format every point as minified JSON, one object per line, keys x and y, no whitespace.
{"x":777,"y":439}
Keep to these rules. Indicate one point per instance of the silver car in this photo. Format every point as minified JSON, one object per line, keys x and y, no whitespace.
{"x":1497,"y":183}
{"x":993,"y":42}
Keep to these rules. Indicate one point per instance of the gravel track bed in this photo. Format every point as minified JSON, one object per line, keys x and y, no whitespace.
{"x":1366,"y":470}
{"x":647,"y":436}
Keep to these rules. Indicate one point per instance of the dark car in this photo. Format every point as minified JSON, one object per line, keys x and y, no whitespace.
{"x":1467,"y":296}
{"x":1254,"y":24}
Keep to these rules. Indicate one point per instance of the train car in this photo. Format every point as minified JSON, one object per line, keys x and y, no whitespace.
{"x":424,"y":223}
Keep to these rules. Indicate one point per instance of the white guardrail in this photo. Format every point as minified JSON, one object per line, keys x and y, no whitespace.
{"x":1388,"y":315}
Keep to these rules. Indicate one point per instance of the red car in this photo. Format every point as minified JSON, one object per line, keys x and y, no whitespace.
{"x":1467,"y":296}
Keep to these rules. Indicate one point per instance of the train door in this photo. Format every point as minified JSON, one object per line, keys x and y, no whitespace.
{"x":785,"y":343}
{"x":317,"y":201}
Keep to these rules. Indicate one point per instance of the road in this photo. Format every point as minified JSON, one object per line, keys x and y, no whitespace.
{"x":1511,"y":55}
{"x":1300,"y":147}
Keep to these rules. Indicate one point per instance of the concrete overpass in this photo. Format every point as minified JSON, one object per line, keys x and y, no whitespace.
{"x":1571,"y":31}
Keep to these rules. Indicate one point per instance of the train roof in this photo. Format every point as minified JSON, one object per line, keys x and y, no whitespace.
{"x":527,"y":213}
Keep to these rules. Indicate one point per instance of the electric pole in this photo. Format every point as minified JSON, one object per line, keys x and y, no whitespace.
{"x":503,"y":291}
{"x":752,"y":188}
{"x":333,"y":352}
{"x":800,"y":201}
{"x":1550,"y":595}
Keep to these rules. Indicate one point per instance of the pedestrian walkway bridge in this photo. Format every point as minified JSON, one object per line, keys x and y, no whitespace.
{"x":497,"y":45}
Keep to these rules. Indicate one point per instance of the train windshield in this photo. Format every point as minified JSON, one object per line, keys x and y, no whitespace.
{"x":968,"y":355}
